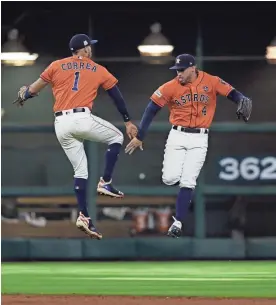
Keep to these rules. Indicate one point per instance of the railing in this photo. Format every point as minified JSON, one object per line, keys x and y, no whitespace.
{"x":203,"y":189}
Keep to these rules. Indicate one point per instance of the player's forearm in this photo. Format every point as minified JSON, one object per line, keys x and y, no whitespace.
{"x":35,"y":88}
{"x":235,"y":96}
{"x":147,"y":118}
{"x":119,"y":102}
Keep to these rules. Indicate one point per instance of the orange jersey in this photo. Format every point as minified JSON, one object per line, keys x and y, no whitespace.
{"x":75,"y":81}
{"x":194,"y":104}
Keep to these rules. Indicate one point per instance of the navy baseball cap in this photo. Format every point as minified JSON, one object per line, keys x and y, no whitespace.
{"x":183,"y":62}
{"x":80,"y":41}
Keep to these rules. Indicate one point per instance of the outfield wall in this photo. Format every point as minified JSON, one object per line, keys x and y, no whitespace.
{"x":137,"y":249}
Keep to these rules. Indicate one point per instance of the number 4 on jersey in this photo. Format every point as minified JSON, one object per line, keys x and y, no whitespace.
{"x":204,"y":110}
{"x":76,"y":81}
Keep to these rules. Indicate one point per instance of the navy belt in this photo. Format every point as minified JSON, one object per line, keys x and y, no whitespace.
{"x":189,"y":129}
{"x":75,"y":110}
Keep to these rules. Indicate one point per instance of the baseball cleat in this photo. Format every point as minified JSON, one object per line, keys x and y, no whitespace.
{"x":83,"y":224}
{"x":106,"y":188}
{"x":175,"y":229}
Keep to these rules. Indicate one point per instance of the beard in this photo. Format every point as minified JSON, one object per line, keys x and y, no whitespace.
{"x":185,"y":81}
{"x":182,"y":82}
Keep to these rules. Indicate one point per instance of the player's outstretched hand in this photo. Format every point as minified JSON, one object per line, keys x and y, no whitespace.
{"x":21,"y":97}
{"x":131,"y":130}
{"x":132,"y":145}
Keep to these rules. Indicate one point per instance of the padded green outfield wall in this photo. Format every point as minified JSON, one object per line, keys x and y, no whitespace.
{"x":137,"y":249}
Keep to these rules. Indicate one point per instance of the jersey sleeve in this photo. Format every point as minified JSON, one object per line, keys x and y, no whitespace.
{"x":222,"y":87}
{"x":161,"y":96}
{"x":47,"y":74}
{"x":108,"y":80}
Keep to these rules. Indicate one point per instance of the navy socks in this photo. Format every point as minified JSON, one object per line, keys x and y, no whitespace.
{"x":111,"y":157}
{"x":80,"y":184}
{"x":80,"y":187}
{"x":183,"y":201}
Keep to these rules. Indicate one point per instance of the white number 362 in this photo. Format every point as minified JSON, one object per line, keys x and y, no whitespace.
{"x":249,"y":168}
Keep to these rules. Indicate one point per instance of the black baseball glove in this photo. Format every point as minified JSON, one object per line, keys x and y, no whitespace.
{"x":244,"y":109}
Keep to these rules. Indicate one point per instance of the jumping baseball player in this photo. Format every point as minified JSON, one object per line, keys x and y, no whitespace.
{"x":191,"y":97}
{"x":75,"y":81}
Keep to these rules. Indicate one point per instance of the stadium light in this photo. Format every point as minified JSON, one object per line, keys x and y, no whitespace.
{"x":14,"y":53}
{"x":271,"y":52}
{"x":156,"y":48}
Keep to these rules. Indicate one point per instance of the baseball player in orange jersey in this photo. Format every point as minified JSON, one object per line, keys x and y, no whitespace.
{"x":75,"y":81}
{"x":191,"y":98}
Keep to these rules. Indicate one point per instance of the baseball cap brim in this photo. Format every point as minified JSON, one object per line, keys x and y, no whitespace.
{"x":179,"y":67}
{"x":93,"y":41}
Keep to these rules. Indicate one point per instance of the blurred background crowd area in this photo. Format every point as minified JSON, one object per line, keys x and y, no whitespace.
{"x":138,"y":41}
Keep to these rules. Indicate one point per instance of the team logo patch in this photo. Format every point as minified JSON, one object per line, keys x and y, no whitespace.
{"x":205,"y":88}
{"x":158,"y":93}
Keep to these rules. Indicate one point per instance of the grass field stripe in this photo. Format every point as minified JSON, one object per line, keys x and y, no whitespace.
{"x":214,"y":279}
{"x":148,"y":273}
{"x":162,"y":279}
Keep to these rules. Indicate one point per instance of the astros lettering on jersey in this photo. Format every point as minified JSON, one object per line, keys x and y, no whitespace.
{"x":194,"y":104}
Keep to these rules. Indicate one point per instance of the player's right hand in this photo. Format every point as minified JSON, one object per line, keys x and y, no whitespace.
{"x":132,"y":145}
{"x":131,"y":130}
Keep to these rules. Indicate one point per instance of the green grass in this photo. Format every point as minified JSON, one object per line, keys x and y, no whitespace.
{"x":209,"y":279}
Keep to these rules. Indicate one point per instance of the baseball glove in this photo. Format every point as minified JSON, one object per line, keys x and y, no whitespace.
{"x":23,"y":95}
{"x":244,"y":109}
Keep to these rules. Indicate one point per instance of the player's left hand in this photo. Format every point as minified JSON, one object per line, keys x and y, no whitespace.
{"x":244,"y":109}
{"x":22,"y":96}
{"x":132,"y":145}
{"x":131,"y":130}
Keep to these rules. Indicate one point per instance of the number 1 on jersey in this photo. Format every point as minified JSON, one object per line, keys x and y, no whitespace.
{"x":76,"y":81}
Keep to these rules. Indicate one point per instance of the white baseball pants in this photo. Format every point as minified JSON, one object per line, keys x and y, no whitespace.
{"x":73,"y":128}
{"x":184,"y":157}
